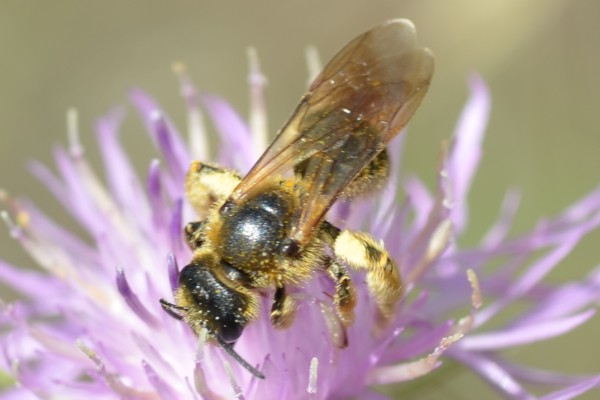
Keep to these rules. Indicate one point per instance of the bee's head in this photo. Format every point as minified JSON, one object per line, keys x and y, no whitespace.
{"x":214,"y":298}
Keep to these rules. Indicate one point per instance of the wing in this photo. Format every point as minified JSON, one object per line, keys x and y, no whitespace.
{"x":361,"y":100}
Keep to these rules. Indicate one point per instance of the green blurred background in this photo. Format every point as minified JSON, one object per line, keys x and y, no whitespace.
{"x":541,"y":59}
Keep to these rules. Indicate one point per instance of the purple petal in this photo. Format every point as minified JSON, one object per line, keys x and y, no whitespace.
{"x":133,"y":301}
{"x":501,"y":228}
{"x":581,"y":210}
{"x":200,"y":383}
{"x":123,"y":181}
{"x":162,"y":388}
{"x":466,"y":150}
{"x":76,"y":199}
{"x":529,"y":279}
{"x":566,"y":299}
{"x":162,"y":132}
{"x":370,"y":395}
{"x":42,"y":226}
{"x":541,"y":377}
{"x":29,"y":283}
{"x":238,"y":150}
{"x":166,"y":143}
{"x":493,"y":373}
{"x":50,"y":181}
{"x":420,"y":198}
{"x":420,"y":343}
{"x":575,"y":390}
{"x":173,"y":271}
{"x":153,"y":354}
{"x":175,"y":230}
{"x":18,"y":394}
{"x":523,"y":334}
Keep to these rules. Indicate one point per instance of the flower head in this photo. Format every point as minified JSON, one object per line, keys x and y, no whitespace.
{"x":90,"y":324}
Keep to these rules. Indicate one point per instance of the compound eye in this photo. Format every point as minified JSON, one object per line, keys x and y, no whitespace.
{"x":231,"y":332}
{"x":290,"y":248}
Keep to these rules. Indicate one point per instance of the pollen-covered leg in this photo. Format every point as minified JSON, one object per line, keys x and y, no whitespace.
{"x":345,"y":294}
{"x":206,"y":184}
{"x":361,"y":251}
{"x":283,"y":309}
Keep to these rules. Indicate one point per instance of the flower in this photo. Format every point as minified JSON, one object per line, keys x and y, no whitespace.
{"x":90,"y":325}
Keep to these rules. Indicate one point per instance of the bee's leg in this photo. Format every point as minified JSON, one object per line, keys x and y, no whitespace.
{"x":206,"y":184}
{"x":345,"y":293}
{"x":193,"y":234}
{"x":361,"y":251}
{"x":371,"y":179}
{"x":170,"y":307}
{"x":283,"y":309}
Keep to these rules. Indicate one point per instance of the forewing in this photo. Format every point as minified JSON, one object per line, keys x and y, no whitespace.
{"x":361,"y":100}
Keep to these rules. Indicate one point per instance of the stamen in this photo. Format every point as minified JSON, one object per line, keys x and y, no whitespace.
{"x":14,"y":229}
{"x":334,"y":324}
{"x":437,"y":245}
{"x":439,"y":239}
{"x":197,"y":137}
{"x":237,"y":390}
{"x":312,"y":376}
{"x":476,"y":295}
{"x":111,"y":378}
{"x":258,"y":114}
{"x":201,"y":385}
{"x":53,"y":343}
{"x":16,"y":209}
{"x":162,"y":388}
{"x":75,"y":146}
{"x":445,"y":183}
{"x":313,"y":64}
{"x":414,"y":369}
{"x":187,"y":90}
{"x":411,"y":370}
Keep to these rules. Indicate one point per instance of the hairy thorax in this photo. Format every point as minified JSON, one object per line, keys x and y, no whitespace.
{"x":252,"y":233}
{"x":250,"y":236}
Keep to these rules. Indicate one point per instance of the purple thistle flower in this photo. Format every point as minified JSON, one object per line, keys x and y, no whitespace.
{"x":90,"y":324}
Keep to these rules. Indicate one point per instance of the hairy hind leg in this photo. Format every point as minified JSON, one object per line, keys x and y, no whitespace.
{"x":361,"y":251}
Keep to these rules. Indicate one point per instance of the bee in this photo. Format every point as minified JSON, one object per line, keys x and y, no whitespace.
{"x":266,"y":232}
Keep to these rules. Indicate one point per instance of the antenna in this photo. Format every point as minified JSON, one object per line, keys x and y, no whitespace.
{"x":228,"y":347}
